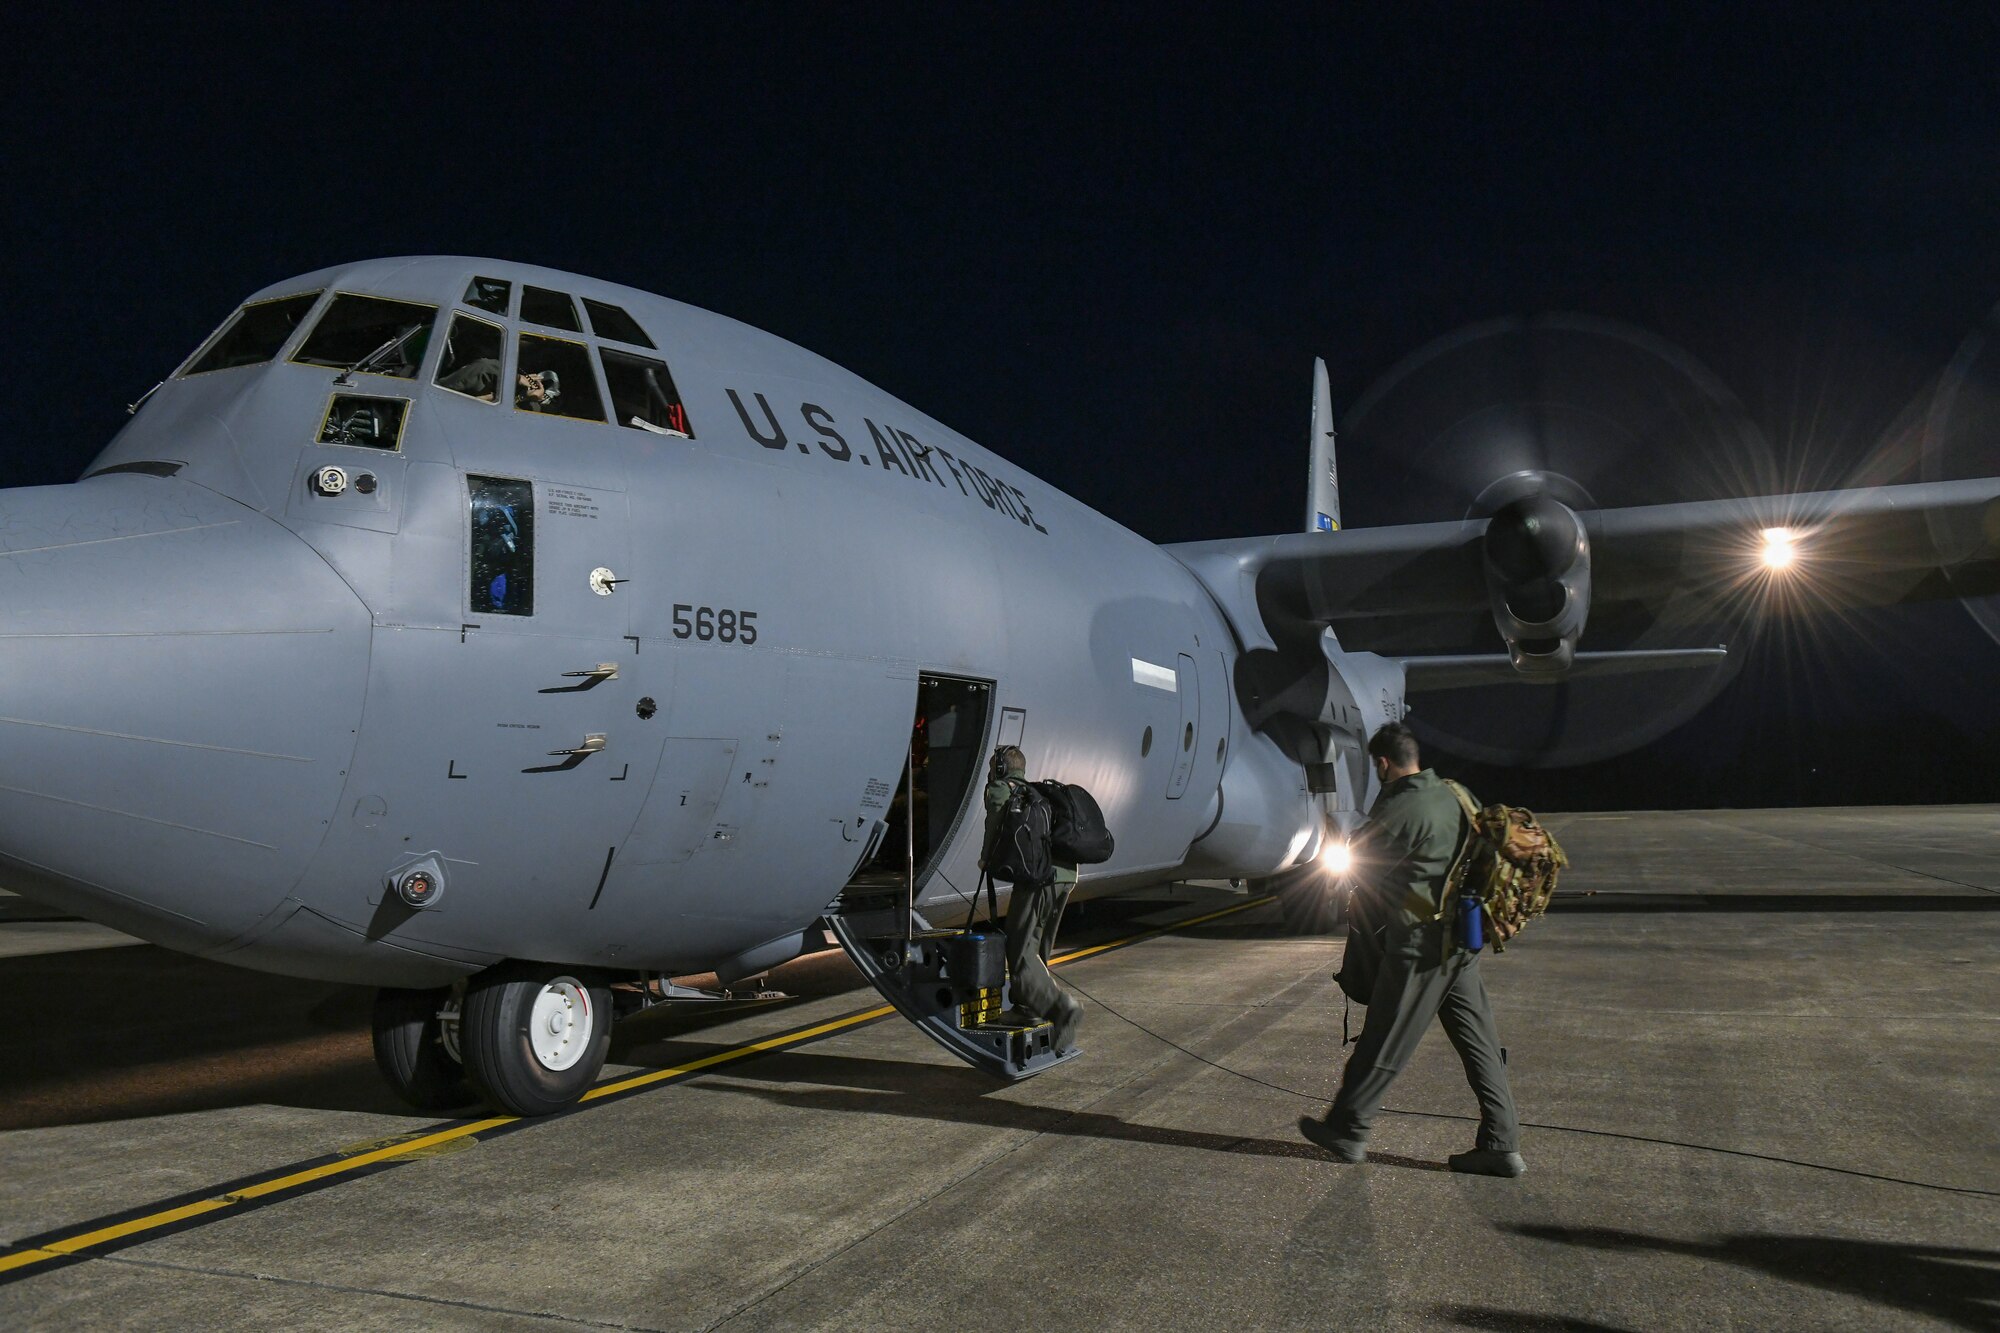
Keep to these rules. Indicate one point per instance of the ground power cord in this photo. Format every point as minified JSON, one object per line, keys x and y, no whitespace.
{"x":1531,"y":1124}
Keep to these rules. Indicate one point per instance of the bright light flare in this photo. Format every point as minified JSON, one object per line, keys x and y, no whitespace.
{"x":1781,"y":548}
{"x":1337,"y":857}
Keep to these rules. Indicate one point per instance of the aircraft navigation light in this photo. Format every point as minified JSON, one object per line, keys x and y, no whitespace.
{"x":1781,"y":548}
{"x":1338,"y":857}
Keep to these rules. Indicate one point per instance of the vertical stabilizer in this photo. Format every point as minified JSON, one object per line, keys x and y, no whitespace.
{"x":1323,"y":481}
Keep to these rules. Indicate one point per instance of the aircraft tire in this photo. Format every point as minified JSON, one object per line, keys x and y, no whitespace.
{"x":410,"y":1051}
{"x":534,"y":1036}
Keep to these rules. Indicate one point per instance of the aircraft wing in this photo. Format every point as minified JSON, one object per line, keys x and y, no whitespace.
{"x":1421,"y":587}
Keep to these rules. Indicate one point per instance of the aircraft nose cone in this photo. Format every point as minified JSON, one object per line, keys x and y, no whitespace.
{"x":180,"y":680}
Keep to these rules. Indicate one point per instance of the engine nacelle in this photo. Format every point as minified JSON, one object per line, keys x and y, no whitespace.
{"x":1537,"y":560}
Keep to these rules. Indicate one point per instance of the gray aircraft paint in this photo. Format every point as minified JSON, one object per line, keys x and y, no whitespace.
{"x":871,"y":541}
{"x":232,"y":707}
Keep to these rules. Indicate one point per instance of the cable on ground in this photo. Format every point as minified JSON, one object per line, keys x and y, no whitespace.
{"x":1531,"y":1124}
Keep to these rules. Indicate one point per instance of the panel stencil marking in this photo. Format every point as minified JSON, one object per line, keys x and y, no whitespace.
{"x":1155,"y":677}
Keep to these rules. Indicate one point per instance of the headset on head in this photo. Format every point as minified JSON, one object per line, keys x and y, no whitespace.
{"x":996,"y":767}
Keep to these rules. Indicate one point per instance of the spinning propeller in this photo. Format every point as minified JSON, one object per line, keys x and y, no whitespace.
{"x":1503,"y":416}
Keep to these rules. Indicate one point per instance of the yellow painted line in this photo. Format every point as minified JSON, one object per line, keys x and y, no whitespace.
{"x":832,"y":1026}
{"x":1158,"y":930}
{"x":410,"y":1147}
{"x":153,"y":1221}
{"x":736,"y":1053}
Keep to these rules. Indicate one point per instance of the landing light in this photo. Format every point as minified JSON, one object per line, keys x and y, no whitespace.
{"x":1338,"y":857}
{"x":1781,"y":548}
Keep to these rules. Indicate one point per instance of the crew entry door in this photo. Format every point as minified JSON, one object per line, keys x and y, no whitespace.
{"x":943,"y":770}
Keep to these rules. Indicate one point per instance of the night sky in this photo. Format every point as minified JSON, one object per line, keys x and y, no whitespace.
{"x":1108,"y":246}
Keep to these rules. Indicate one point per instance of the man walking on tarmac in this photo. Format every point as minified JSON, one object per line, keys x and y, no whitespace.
{"x":1414,"y":836}
{"x":1032,"y":913}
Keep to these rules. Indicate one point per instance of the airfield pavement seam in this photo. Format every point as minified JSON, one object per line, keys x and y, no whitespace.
{"x":976,"y":1169}
{"x":1852,"y":856}
{"x":239,"y":1275}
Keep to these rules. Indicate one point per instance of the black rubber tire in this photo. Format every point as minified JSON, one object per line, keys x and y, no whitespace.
{"x":410,"y":1052}
{"x":499,"y":1055}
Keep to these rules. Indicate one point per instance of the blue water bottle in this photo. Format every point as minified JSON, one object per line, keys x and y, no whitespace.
{"x":1471,"y":923}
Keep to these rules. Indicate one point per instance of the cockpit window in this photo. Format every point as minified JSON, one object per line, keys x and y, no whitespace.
{"x":471,"y":361}
{"x":372,"y":334}
{"x":489,"y":294}
{"x":643,"y":394}
{"x":367,"y":422}
{"x":554,"y":377}
{"x":254,"y":335}
{"x":609,"y":321}
{"x":503,"y":546}
{"x":550,"y":309}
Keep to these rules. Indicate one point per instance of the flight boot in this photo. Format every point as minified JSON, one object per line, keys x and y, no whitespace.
{"x":1487,"y":1162}
{"x":1069,"y":1017}
{"x":1321,"y":1134}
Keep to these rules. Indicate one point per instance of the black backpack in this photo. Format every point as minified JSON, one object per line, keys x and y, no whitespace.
{"x":1077,"y":833}
{"x":1019,"y":852}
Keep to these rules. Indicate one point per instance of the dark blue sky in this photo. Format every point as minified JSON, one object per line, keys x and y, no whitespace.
{"x":1105,"y":244}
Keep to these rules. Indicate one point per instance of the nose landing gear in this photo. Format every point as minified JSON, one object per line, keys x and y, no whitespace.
{"x":527,"y":1038}
{"x":416,"y":1048}
{"x":534,"y":1036}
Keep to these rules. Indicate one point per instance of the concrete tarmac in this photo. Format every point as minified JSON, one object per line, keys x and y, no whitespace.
{"x":1760,"y":1072}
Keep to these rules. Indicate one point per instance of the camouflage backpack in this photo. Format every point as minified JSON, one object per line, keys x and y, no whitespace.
{"x":1510,"y":864}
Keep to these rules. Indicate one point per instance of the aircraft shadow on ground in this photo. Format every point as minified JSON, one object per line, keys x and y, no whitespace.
{"x":1959,"y":1286}
{"x":140,"y":1031}
{"x":143,"y":1032}
{"x":865,"y":1086}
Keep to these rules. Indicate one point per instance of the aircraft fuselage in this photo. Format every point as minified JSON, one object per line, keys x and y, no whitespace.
{"x":637,"y":696}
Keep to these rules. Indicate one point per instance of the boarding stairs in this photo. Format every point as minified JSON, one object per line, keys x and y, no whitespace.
{"x":952,"y":984}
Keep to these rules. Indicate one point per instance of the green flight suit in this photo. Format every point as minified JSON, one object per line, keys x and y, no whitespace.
{"x":1033,"y":912}
{"x":1406,"y":851}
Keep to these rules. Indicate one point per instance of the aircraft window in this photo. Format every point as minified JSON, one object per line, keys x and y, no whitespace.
{"x":489,"y":294}
{"x":609,"y":321}
{"x":643,"y":394}
{"x":372,"y":423}
{"x":553,"y":376}
{"x":370,"y":333}
{"x":503,"y":546}
{"x":471,"y":361}
{"x":254,"y":335}
{"x":539,"y":305}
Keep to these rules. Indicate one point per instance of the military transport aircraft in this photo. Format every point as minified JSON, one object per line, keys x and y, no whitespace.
{"x":514,"y":641}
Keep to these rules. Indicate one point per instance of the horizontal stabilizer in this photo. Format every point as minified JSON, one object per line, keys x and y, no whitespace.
{"x":1457,"y":672}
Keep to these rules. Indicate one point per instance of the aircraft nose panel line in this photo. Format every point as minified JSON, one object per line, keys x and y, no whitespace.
{"x":123,"y":537}
{"x":105,"y":889}
{"x":146,"y":819}
{"x":166,"y":633}
{"x":157,"y":740}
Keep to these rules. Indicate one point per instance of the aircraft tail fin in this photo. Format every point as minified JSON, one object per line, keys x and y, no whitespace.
{"x":1323,"y":480}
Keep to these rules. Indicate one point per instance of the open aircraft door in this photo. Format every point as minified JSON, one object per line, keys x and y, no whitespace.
{"x":951,"y":983}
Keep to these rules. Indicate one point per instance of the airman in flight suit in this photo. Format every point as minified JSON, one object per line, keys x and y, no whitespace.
{"x":1414,"y":835}
{"x":1032,"y":913}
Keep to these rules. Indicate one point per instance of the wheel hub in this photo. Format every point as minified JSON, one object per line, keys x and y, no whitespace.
{"x":560,"y":1027}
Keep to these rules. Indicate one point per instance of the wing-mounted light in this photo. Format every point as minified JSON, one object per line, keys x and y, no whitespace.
{"x":1536,"y":556}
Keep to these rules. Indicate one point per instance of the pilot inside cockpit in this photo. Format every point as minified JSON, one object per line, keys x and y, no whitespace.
{"x":534,"y":391}
{"x":537,"y":391}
